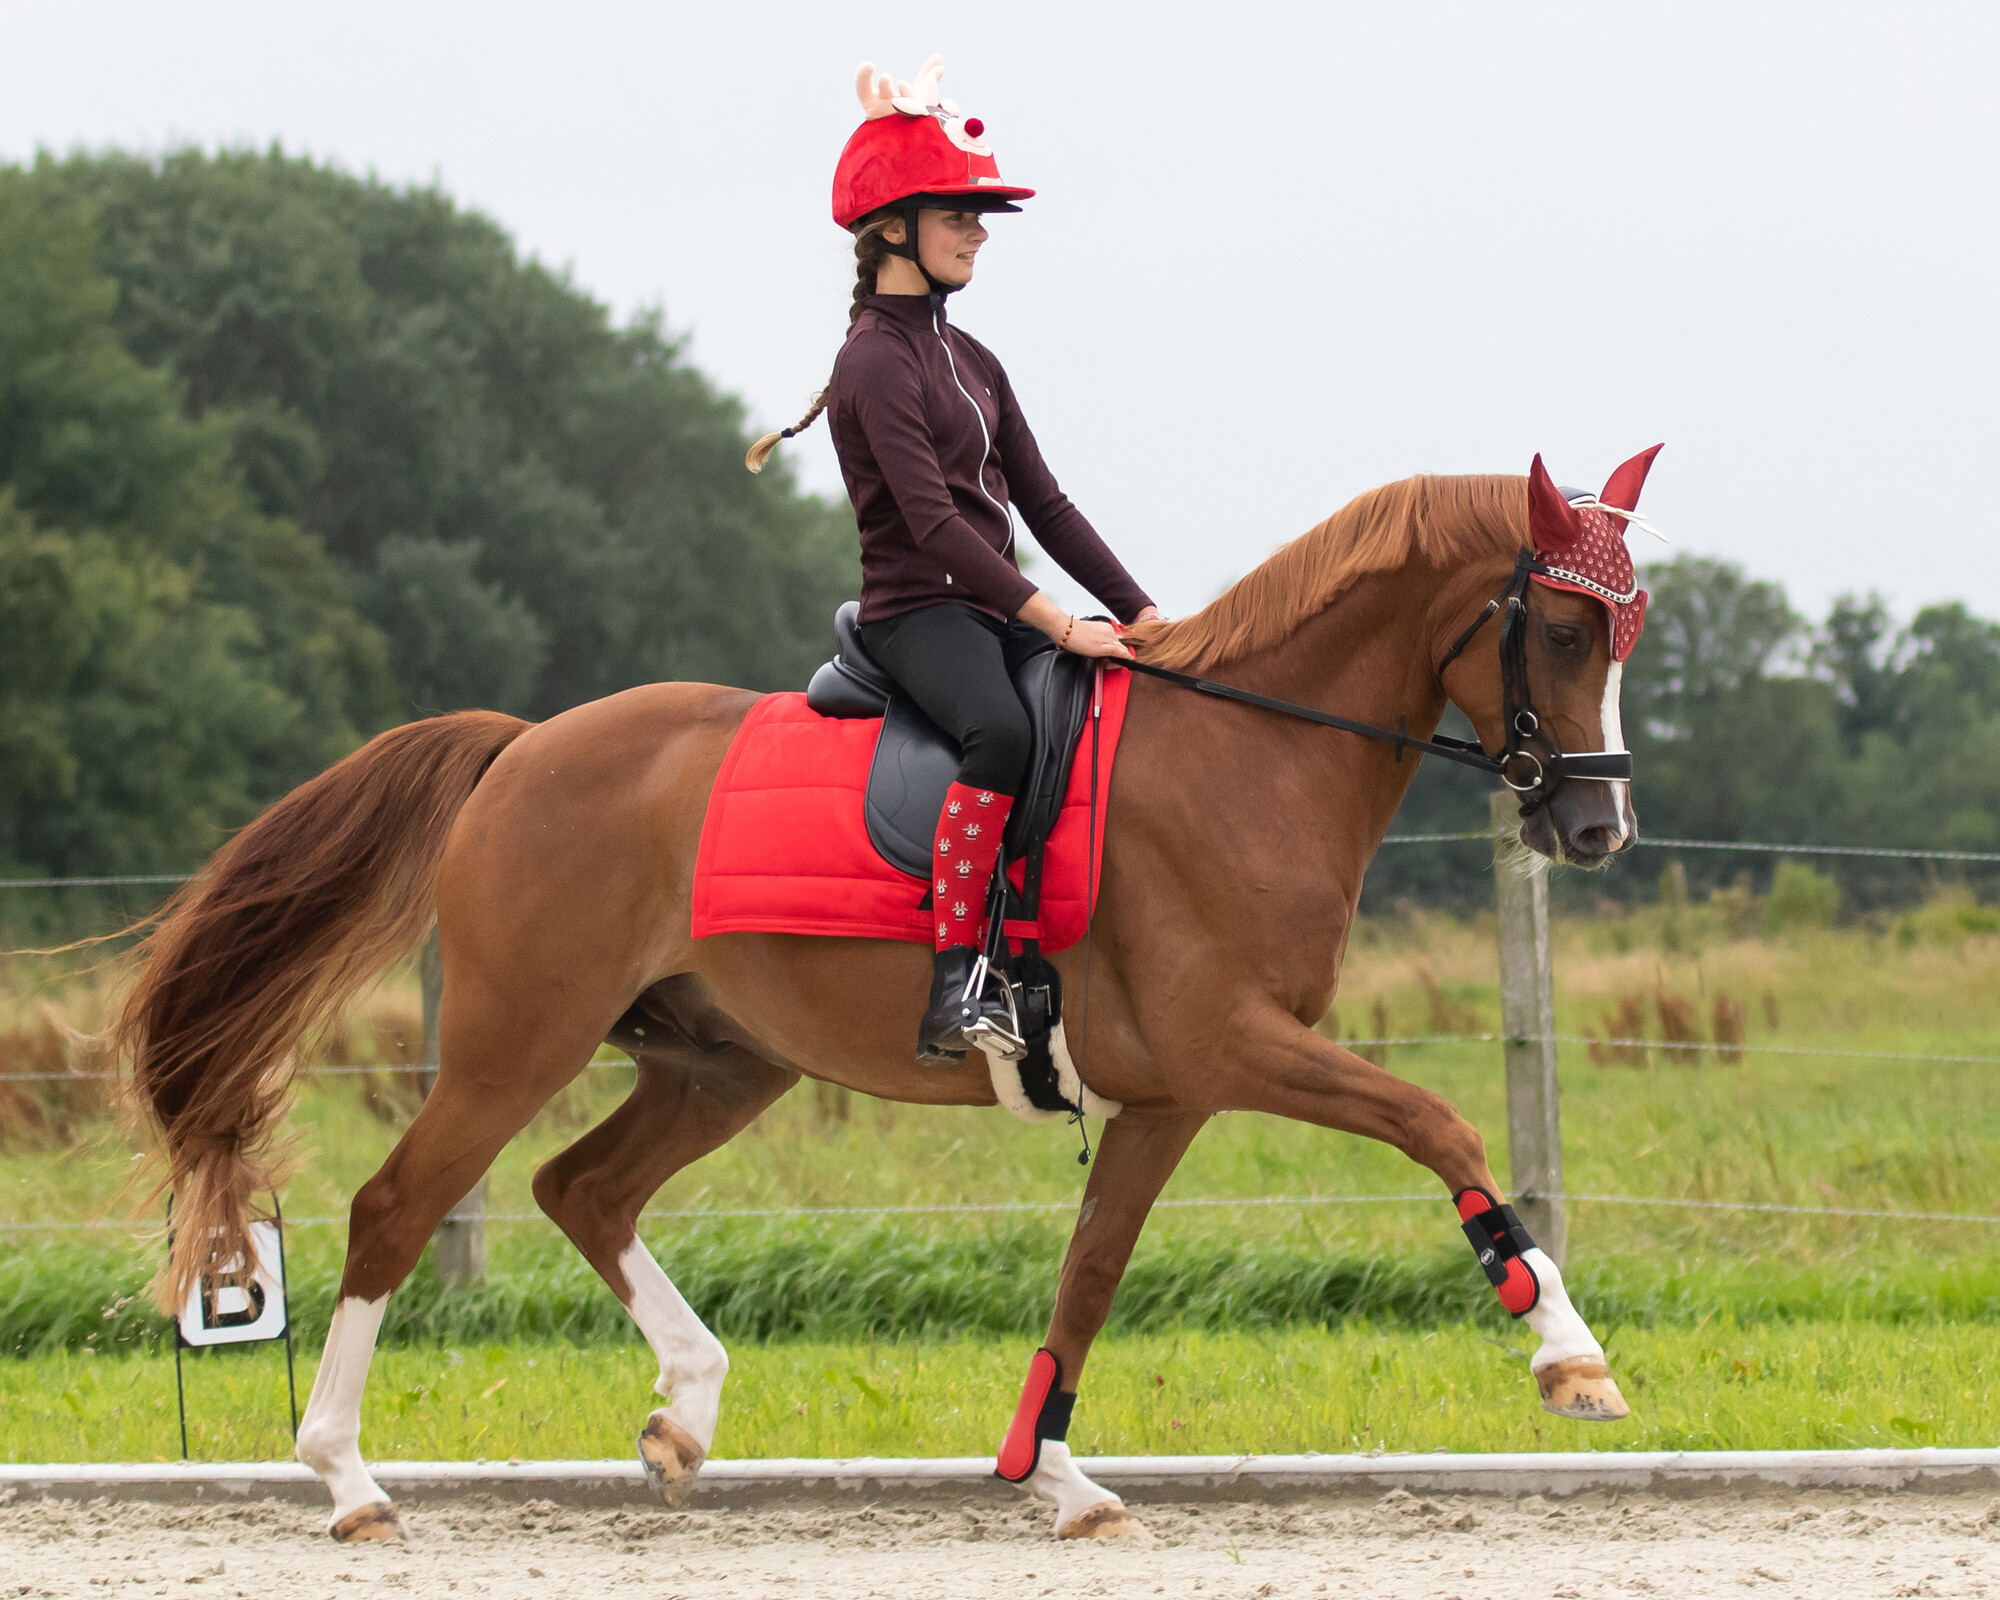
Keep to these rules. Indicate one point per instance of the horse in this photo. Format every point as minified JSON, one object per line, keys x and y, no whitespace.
{"x":556,"y":861}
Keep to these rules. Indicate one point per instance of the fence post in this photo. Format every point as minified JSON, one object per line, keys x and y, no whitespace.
{"x":458,"y":1251}
{"x":1528,"y":1021}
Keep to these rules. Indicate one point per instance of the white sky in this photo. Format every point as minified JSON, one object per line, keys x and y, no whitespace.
{"x":1282,"y":252}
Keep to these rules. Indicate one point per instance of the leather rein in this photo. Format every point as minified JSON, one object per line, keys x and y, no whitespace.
{"x":1532,"y":764}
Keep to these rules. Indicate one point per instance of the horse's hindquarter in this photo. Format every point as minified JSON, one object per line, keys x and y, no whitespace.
{"x":578,"y":846}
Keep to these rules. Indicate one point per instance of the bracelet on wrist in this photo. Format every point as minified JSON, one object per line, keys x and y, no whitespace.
{"x":1063,"y":642}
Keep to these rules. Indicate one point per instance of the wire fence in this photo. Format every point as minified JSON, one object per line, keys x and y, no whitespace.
{"x":1016,"y":1207}
{"x":1756,"y":846}
{"x":1670,"y":1048}
{"x":1667,"y":1047}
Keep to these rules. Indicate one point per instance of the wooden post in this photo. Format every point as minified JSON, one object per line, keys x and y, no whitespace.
{"x":1528,"y":1021}
{"x":459,"y":1249}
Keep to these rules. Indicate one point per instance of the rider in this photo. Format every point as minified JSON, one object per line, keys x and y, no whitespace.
{"x":936,"y":455}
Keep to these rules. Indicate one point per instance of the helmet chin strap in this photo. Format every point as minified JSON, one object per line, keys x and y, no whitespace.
{"x":908,"y":249}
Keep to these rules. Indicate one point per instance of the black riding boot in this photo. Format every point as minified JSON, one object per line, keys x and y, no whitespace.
{"x":941,"y":1040}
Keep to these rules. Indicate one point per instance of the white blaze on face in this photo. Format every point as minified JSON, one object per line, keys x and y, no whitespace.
{"x":1613,"y":733}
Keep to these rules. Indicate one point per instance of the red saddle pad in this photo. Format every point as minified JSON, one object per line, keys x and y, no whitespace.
{"x":785,"y":848}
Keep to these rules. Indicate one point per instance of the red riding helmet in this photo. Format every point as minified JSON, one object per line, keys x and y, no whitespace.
{"x":914,"y":145}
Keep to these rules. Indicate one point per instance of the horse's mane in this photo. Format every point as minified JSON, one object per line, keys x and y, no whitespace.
{"x":1436,"y":520}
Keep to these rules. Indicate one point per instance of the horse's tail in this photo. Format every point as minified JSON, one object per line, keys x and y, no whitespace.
{"x":288,"y":919}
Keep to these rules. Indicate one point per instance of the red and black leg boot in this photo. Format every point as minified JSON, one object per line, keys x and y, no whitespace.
{"x":968,"y":843}
{"x":1499,"y":1240}
{"x":1043,"y":1415}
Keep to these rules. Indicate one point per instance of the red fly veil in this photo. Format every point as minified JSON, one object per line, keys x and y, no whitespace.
{"x":1582,"y":543}
{"x":913,"y":141}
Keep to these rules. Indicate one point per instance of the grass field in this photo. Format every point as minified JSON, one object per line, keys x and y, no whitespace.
{"x":1835,"y":1328}
{"x":1721,"y":1386}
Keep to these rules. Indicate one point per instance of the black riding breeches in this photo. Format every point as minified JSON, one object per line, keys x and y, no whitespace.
{"x":956,"y":663}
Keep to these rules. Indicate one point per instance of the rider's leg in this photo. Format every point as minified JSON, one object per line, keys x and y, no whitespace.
{"x":953,"y":662}
{"x":1136,"y":1157}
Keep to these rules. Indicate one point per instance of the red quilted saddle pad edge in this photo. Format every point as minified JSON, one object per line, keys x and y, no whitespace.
{"x":785,"y":848}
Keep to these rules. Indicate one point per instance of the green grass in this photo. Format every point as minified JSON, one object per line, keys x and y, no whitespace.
{"x":1720,"y":1386}
{"x":846,"y":1279}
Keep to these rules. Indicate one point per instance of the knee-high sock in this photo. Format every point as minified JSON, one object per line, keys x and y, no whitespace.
{"x":968,"y":842}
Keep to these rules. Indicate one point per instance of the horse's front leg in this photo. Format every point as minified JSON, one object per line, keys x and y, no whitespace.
{"x":1289,"y":1070}
{"x":1136,"y":1156}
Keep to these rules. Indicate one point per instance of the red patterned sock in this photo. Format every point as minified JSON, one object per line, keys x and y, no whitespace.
{"x":968,"y":842}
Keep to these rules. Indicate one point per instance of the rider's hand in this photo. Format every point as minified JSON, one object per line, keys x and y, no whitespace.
{"x":1096,"y":639}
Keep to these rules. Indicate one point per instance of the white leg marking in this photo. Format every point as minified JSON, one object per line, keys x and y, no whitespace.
{"x":1612,"y":727}
{"x":330,"y":1435}
{"x":1056,"y":1477}
{"x":692,"y":1360}
{"x":1554,"y":1320}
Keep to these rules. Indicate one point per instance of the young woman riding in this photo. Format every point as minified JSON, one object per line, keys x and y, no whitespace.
{"x":937,"y":456}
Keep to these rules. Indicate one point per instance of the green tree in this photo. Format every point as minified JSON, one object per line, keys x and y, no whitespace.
{"x":169,"y":658}
{"x":537,"y":506}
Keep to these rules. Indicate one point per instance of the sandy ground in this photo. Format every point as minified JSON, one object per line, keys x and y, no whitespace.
{"x":1475,"y":1548}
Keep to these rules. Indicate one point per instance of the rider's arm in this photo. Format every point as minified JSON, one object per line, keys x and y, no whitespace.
{"x":1052,"y":517}
{"x":882,"y":376}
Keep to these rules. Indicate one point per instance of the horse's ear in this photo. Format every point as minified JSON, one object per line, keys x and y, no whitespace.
{"x":1622,"y":488}
{"x":1552,"y":520}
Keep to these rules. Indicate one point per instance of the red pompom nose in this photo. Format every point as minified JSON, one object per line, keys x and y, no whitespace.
{"x":974,"y":127}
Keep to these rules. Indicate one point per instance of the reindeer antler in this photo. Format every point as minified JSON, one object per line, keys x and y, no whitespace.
{"x":875,"y":97}
{"x":927,"y":80}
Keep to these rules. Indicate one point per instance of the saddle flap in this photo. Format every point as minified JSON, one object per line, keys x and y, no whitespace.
{"x":915,"y":763}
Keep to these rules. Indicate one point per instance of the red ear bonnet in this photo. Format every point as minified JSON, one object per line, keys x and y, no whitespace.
{"x":913,"y":141}
{"x":1583,"y":545}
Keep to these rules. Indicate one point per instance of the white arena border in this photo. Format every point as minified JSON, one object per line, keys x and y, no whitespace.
{"x":1139,"y":1479}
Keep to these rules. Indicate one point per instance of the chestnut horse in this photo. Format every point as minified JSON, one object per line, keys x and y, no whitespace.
{"x":557,"y":860}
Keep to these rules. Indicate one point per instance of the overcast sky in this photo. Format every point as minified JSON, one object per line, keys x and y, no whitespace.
{"x":1281,"y":253}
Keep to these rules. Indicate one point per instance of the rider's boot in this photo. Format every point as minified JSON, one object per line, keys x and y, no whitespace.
{"x":941,"y":1040}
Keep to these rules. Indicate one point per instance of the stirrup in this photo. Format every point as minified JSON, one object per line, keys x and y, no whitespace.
{"x":997,"y":1030}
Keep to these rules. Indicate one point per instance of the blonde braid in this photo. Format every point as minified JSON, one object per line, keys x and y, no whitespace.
{"x":870,"y":250}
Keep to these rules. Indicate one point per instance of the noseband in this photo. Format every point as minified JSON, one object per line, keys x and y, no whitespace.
{"x":1530,"y":763}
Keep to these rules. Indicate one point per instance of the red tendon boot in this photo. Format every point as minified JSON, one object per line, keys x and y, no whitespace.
{"x":1499,"y":1240}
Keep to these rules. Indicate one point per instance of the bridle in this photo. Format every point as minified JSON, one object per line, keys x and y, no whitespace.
{"x":1530,"y":763}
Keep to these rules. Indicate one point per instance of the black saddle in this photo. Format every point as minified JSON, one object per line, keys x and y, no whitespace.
{"x":916,"y":760}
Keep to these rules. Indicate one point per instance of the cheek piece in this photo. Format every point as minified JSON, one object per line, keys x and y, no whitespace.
{"x":1499,"y":1240}
{"x":1043,"y":1413}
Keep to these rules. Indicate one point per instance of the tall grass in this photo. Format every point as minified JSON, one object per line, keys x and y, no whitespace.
{"x":1660,"y":1122}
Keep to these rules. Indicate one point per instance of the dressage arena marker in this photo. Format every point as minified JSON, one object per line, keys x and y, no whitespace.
{"x":753,"y":1485}
{"x":238,"y":1312}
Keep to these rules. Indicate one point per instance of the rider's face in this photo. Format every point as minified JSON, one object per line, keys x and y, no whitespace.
{"x":947,"y":242}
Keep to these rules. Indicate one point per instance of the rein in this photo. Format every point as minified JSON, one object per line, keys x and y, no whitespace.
{"x":1533,"y":774}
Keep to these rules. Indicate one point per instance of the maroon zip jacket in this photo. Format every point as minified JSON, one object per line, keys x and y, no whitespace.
{"x":932,"y":445}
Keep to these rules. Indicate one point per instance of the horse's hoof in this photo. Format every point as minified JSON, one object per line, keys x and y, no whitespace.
{"x":671,"y":1458}
{"x":1581,"y":1387}
{"x":1106,"y":1520}
{"x":376,"y":1523}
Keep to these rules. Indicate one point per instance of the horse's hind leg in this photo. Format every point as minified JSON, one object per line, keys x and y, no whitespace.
{"x":686,"y":1101}
{"x":476,"y":1106}
{"x":1134,"y":1160}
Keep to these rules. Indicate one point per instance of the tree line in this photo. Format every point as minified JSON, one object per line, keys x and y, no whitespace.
{"x":289,"y":456}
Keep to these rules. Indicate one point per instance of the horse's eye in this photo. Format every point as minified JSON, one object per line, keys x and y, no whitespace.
{"x":1563,"y":636}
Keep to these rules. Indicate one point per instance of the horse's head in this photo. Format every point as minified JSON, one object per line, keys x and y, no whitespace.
{"x":1564,"y":624}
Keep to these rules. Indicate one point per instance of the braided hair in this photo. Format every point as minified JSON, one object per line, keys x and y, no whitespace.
{"x":871,"y":249}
